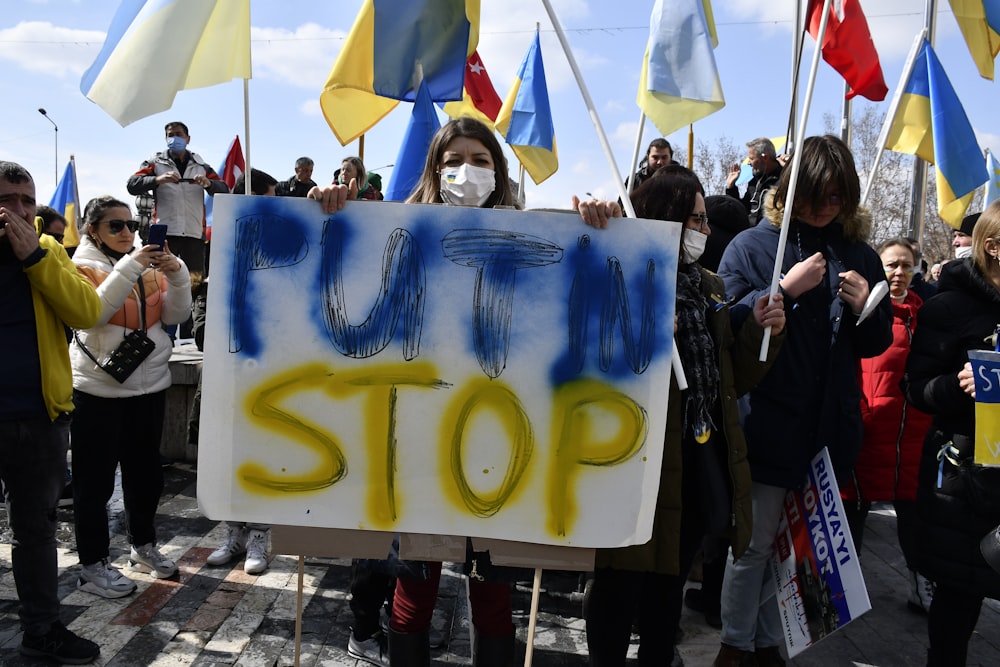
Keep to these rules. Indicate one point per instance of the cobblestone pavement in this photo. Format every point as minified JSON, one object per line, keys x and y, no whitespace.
{"x":214,"y":616}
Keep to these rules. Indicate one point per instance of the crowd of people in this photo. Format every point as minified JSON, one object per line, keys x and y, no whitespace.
{"x":891,"y":401}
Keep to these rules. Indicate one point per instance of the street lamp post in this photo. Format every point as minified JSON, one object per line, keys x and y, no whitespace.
{"x":49,"y":118}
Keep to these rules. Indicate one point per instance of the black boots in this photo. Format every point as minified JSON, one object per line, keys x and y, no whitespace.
{"x":493,"y":651}
{"x":409,"y":649}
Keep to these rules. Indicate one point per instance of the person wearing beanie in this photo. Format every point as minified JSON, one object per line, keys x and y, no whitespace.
{"x":727,"y":217}
{"x":961,"y":238}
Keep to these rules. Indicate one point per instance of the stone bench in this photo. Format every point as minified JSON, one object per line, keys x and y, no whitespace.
{"x":185,"y":372}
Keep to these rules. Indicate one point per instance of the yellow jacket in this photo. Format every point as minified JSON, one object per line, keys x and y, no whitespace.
{"x":61,"y":297}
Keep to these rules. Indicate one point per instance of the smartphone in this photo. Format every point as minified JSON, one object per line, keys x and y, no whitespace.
{"x":157,"y":235}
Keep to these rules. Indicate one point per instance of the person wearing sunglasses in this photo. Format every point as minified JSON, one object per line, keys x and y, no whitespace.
{"x":119,"y":420}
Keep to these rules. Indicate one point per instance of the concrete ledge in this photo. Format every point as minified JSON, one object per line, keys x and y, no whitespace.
{"x":185,"y":373}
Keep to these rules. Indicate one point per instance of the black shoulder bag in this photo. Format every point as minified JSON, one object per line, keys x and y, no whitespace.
{"x":131,"y":352}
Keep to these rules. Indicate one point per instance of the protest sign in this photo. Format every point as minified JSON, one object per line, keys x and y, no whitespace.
{"x":816,"y":569}
{"x":986,"y":372}
{"x":439,"y":370}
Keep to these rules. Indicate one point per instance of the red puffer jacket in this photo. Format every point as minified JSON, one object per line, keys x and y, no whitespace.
{"x":894,"y":430}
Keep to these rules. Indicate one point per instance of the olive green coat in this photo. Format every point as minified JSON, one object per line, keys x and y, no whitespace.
{"x":739,"y":370}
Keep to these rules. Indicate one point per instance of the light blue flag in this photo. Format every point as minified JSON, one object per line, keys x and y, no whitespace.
{"x":992,"y":185}
{"x":424,"y":124}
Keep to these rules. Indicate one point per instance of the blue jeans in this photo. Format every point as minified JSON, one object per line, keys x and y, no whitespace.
{"x":33,"y":468}
{"x":749,"y":612}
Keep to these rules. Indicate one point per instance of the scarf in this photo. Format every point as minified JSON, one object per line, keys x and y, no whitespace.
{"x":697,"y":353}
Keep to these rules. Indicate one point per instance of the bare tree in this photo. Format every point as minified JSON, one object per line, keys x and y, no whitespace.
{"x":712,"y":163}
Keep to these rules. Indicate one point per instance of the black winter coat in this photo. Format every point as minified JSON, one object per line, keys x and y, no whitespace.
{"x":965,"y":310}
{"x":811,"y":397}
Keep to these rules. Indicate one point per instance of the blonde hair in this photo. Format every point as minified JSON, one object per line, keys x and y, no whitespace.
{"x":987,"y":229}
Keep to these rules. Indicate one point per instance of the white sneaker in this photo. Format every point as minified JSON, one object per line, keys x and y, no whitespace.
{"x":921,"y":593}
{"x":374,"y":650}
{"x":256,"y":561}
{"x":147,"y":559}
{"x":233,"y":547}
{"x":101,"y":579}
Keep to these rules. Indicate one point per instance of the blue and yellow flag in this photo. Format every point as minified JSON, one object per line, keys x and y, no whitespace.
{"x":979,"y":21}
{"x":66,"y":200}
{"x":155,"y":48}
{"x":409,"y":165}
{"x":931,"y":124}
{"x":679,"y":82}
{"x":393,"y":46}
{"x":992,"y":185}
{"x":525,"y":119}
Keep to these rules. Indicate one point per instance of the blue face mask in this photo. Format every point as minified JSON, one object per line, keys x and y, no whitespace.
{"x":176,"y":145}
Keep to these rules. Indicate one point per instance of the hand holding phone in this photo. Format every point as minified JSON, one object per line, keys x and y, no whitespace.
{"x":157,"y":235}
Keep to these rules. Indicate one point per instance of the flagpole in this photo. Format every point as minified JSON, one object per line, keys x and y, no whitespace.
{"x":691,"y":146}
{"x":635,"y":153}
{"x":603,"y":138}
{"x":918,"y":189}
{"x":797,"y":46}
{"x":786,"y":219}
{"x":246,"y":134}
{"x":890,"y":115}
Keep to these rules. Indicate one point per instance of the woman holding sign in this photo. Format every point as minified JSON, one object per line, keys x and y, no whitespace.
{"x":465,"y":166}
{"x":705,"y":478}
{"x":962,"y":316}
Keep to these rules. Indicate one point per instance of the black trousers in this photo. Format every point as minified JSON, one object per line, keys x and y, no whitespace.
{"x":950,"y":623}
{"x":108,"y":432}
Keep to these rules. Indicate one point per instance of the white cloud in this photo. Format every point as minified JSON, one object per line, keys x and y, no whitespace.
{"x":42,"y":48}
{"x":302,"y":57}
{"x":311,"y":108}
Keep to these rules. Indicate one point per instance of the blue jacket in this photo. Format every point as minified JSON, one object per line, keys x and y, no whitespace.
{"x":810,"y":398}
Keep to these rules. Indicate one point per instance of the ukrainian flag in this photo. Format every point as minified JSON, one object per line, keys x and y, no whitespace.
{"x":525,"y":119}
{"x":679,"y":82}
{"x":392,"y":47}
{"x":66,"y":200}
{"x":993,"y":185}
{"x":931,"y":124}
{"x":979,"y":21}
{"x":155,"y":48}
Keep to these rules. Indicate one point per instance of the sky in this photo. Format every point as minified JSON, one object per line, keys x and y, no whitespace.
{"x":46,"y":45}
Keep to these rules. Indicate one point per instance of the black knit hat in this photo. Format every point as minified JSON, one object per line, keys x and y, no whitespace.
{"x":968,"y":222}
{"x":727,"y":217}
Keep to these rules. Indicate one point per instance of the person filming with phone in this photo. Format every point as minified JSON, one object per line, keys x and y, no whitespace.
{"x":120,"y":378}
{"x":179,"y":180}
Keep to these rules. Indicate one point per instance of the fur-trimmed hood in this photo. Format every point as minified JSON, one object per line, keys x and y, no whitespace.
{"x":856,"y":229}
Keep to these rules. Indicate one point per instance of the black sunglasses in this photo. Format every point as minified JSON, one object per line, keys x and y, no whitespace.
{"x":116,"y":226}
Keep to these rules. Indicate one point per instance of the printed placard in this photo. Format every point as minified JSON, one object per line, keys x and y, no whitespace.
{"x":986,"y":372}
{"x":435,"y":369}
{"x":819,"y":583}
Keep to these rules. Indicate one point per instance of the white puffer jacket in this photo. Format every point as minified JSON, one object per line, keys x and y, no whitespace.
{"x":168,"y":301}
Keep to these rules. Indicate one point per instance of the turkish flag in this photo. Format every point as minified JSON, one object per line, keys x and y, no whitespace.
{"x":848,"y":47}
{"x":480,"y":89}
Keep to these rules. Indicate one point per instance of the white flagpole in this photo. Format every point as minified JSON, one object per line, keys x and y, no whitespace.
{"x":246,"y":132}
{"x":635,"y":153}
{"x":786,"y":220}
{"x":890,"y":115}
{"x":619,"y":182}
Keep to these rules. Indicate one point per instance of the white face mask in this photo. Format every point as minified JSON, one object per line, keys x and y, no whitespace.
{"x":962,"y":252}
{"x":467,"y":185}
{"x":693,"y":242}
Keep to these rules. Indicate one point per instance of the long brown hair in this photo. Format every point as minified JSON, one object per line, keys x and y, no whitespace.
{"x":428,"y":190}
